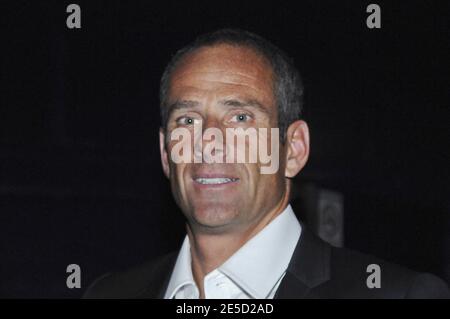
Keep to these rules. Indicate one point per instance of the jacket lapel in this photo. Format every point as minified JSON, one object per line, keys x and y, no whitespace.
{"x":308,"y":268}
{"x":160,"y":277}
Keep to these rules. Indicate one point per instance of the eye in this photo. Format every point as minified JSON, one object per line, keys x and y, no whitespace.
{"x":241,"y":118}
{"x":186,"y":120}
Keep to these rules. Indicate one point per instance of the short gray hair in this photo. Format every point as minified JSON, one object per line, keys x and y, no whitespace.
{"x":288,"y":86}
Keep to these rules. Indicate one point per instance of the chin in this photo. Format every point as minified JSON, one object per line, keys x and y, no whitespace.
{"x":215,"y":215}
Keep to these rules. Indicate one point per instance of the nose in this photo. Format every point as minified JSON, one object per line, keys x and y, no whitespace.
{"x":209,"y":142}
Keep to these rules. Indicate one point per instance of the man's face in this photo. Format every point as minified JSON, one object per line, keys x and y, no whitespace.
{"x":224,"y":87}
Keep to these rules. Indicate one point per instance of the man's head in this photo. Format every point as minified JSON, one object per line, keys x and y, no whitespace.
{"x":232,"y":79}
{"x":287,"y":85}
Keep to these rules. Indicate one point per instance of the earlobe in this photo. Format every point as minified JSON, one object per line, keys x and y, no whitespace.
{"x":163,"y":153}
{"x":297,"y":144}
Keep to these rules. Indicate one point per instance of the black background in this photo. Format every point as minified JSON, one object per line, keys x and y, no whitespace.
{"x":80,"y":178}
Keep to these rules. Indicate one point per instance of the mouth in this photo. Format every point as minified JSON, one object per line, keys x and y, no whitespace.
{"x":215,"y":180}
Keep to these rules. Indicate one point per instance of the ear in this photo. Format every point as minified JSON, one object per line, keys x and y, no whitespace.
{"x":297,"y":147}
{"x":163,"y":153}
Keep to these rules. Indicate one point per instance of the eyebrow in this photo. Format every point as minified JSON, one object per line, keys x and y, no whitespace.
{"x":234,"y":103}
{"x":244,"y":103}
{"x":180,"y":105}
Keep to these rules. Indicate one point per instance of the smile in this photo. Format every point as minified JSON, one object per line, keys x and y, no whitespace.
{"x":215,"y":180}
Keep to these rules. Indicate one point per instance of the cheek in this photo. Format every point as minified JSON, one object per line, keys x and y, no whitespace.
{"x":267,"y":183}
{"x":263,"y":189}
{"x":255,"y":179}
{"x":177,"y":177}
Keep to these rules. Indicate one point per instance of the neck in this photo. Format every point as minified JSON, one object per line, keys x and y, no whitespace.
{"x":209,"y":250}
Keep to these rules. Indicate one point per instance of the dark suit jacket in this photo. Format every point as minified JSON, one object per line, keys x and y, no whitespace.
{"x":316,"y":270}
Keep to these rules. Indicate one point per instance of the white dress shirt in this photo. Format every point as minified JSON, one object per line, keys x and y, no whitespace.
{"x":254,"y":271}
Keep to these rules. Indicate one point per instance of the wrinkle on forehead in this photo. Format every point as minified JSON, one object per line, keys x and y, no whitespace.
{"x":230,"y":54}
{"x":224,"y":66}
{"x":214,"y":73}
{"x":225,"y":58}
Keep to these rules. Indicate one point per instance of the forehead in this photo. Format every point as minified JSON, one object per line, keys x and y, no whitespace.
{"x":223,"y":70}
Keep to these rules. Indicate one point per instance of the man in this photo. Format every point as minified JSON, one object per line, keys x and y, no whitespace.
{"x":243,"y":239}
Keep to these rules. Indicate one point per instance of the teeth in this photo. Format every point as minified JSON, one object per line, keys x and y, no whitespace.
{"x":215,"y":180}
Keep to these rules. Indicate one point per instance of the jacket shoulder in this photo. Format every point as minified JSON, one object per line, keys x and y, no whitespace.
{"x":145,"y":280}
{"x":357,"y":275}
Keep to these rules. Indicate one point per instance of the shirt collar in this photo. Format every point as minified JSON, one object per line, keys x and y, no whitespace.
{"x":261,"y":262}
{"x":182,"y":272}
{"x":257,"y":266}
